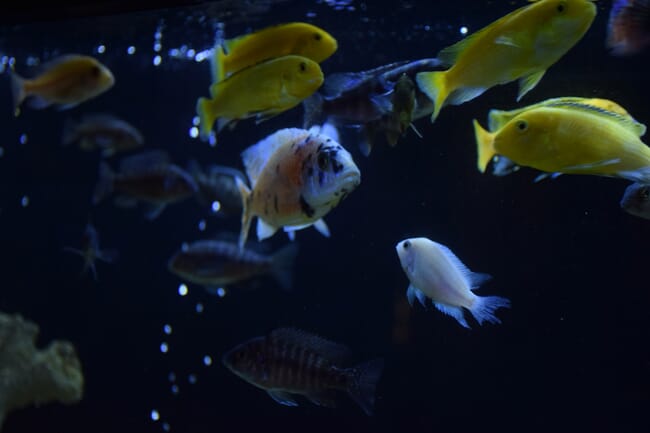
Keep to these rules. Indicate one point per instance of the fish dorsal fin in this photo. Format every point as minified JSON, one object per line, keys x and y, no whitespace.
{"x":449,"y":55}
{"x":474,"y":279}
{"x":257,"y":156}
{"x":624,"y":120}
{"x":58,"y":61}
{"x":334,"y":352}
{"x":144,"y":160}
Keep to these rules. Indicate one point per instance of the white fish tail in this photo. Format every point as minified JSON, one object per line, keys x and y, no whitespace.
{"x":485,"y":306}
{"x":245,"y":193}
{"x":17,"y":90}
{"x":105,"y":183}
{"x":282,"y":269}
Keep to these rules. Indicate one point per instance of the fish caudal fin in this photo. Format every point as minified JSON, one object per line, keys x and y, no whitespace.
{"x":245,"y":193}
{"x":485,"y":306}
{"x":104,"y":184}
{"x":484,"y":146}
{"x":282,"y":268}
{"x":434,"y":85}
{"x":17,"y":91}
{"x":363,"y":384}
{"x":217,"y":66}
{"x":207,"y":116}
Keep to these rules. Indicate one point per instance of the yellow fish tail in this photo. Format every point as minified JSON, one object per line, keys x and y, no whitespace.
{"x":17,"y":90}
{"x":434,"y":85}
{"x":484,"y":145}
{"x":246,"y":217}
{"x":217,"y":64}
{"x":207,"y":115}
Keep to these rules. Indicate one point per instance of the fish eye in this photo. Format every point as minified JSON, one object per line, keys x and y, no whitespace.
{"x":644,"y":193}
{"x":522,"y":125}
{"x":317,"y":36}
{"x":95,"y":71}
{"x":323,"y":161}
{"x":303,"y":66}
{"x":561,"y":7}
{"x":407,"y":245}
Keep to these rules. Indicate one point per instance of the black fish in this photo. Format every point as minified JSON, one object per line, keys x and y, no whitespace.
{"x":291,"y":361}
{"x":218,"y":184}
{"x":368,"y":100}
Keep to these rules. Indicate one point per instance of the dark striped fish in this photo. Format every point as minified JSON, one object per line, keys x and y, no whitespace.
{"x":290,"y":361}
{"x":214,"y":264}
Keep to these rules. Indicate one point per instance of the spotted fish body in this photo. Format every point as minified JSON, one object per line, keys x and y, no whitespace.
{"x":297,"y":176}
{"x":290,"y":361}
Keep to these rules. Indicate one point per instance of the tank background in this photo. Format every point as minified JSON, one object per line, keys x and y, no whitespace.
{"x":571,"y":354}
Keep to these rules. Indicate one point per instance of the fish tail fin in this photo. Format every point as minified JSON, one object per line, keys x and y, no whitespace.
{"x":207,"y":116}
{"x":105,"y":183}
{"x":484,"y":146}
{"x":217,"y":61}
{"x":245,"y":193}
{"x":69,"y":132}
{"x":363,"y":384}
{"x":485,"y":306}
{"x":313,"y":110}
{"x":17,"y":90}
{"x":434,"y":85}
{"x":282,"y":269}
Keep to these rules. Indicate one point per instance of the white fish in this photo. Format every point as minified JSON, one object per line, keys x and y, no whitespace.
{"x":436,"y":273}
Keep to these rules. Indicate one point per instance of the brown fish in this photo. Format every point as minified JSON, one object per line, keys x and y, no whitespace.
{"x":147,"y":177}
{"x":65,"y":81}
{"x":214,"y":264}
{"x":218,"y":185}
{"x":291,"y":361}
{"x":102,"y":132}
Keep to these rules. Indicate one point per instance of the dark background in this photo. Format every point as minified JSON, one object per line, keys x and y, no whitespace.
{"x":571,"y":355}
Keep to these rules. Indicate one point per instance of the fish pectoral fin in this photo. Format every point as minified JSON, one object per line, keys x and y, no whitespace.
{"x":282,"y":397}
{"x":154,"y":211}
{"x":462,"y":95}
{"x":264,"y":229}
{"x":543,"y":176}
{"x":323,"y":398}
{"x":528,"y":83}
{"x":592,"y":165}
{"x":412,"y":293}
{"x":266,"y":115}
{"x":507,"y":40}
{"x":322,"y":228}
{"x":455,"y":312}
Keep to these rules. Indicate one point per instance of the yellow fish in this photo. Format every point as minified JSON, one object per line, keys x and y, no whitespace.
{"x":572,"y":138}
{"x":298,"y":38}
{"x":261,"y":91}
{"x":297,"y":176}
{"x":520,"y":45}
{"x":498,"y":118}
{"x":66,"y":81}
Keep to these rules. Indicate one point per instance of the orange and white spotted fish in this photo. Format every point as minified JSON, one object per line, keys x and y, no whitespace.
{"x":297,"y":176}
{"x":290,"y":361}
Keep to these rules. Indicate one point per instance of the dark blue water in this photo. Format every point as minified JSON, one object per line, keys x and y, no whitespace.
{"x":571,"y":355}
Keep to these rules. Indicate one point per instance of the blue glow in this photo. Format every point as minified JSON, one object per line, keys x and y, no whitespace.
{"x":131,"y":50}
{"x":167,"y":329}
{"x":182,"y":290}
{"x":216,"y":206}
{"x":164,"y":348}
{"x":155,"y":415}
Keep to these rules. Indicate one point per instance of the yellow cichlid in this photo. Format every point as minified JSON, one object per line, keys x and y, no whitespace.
{"x":574,"y":138}
{"x":520,"y":45}
{"x":66,"y":81}
{"x":261,"y":91}
{"x":300,"y":39}
{"x":498,"y":118}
